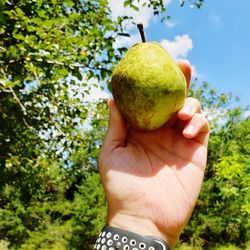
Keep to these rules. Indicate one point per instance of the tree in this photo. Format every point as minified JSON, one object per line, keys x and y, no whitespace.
{"x":49,"y":51}
{"x":220,"y":216}
{"x":51,"y":54}
{"x":67,"y":207}
{"x":46,"y":47}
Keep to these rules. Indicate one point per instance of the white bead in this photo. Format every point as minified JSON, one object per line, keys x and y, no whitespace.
{"x":132,"y":242}
{"x":142,"y":246}
{"x":103,"y":240}
{"x":109,"y":235}
{"x":109,"y":242}
{"x":103,"y":234}
{"x":124,"y":239}
{"x":116,"y":237}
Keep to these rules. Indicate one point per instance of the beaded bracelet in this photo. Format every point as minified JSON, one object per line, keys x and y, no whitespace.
{"x":112,"y":238}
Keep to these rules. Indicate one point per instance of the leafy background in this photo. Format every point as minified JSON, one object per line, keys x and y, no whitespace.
{"x":52,"y":55}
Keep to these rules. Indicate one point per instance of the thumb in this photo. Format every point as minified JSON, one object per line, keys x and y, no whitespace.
{"x":117,"y":130}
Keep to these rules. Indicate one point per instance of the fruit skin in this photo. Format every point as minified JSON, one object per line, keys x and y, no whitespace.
{"x":148,"y":86}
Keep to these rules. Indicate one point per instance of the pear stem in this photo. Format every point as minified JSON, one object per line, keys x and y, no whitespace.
{"x":140,"y":28}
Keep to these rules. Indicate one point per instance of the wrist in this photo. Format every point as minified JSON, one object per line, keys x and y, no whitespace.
{"x":142,"y":226}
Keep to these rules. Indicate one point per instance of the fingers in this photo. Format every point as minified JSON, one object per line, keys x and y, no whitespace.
{"x":198,"y":124}
{"x":186,"y":69}
{"x":117,"y":130}
{"x":191,"y":121}
{"x":197,"y":128}
{"x":190,"y":107}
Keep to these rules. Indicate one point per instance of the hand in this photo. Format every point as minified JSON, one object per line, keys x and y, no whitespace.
{"x":152,"y":179}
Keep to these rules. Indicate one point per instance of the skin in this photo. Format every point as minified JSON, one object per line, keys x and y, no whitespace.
{"x":152,"y":179}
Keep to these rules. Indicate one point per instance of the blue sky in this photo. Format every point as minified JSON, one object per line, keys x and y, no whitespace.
{"x":215,"y":39}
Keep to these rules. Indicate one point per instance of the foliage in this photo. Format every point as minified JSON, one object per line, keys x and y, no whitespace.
{"x":71,"y":224}
{"x":51,"y":54}
{"x":190,"y":247}
{"x":223,"y":206}
{"x":50,"y":51}
{"x":227,"y":247}
{"x":56,"y":205}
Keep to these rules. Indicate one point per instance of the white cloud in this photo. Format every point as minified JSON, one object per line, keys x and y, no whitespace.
{"x":93,"y":94}
{"x":215,"y":116}
{"x":195,"y":73}
{"x":127,"y":41}
{"x":246,"y":114}
{"x":179,"y":48}
{"x":118,"y":9}
{"x":145,"y":15}
{"x":96,"y":94}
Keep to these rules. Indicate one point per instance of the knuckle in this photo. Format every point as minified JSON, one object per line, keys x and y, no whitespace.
{"x":194,"y":102}
{"x":202,"y":120}
{"x":200,"y":117}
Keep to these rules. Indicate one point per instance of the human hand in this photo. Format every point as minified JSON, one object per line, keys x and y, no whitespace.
{"x":152,"y":179}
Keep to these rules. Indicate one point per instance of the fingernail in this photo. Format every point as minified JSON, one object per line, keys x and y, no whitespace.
{"x":189,"y":129}
{"x":187,"y":110}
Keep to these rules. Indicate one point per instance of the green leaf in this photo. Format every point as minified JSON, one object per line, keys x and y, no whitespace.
{"x":2,"y":17}
{"x":69,"y":3}
{"x":19,"y":36}
{"x":134,"y":7}
{"x":126,"y":3}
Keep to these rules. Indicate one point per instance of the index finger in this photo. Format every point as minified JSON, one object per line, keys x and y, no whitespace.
{"x":186,"y":70}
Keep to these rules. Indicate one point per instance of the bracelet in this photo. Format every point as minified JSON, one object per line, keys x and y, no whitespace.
{"x":112,"y":238}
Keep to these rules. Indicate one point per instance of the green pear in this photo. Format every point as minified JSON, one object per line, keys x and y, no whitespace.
{"x":148,"y":86}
